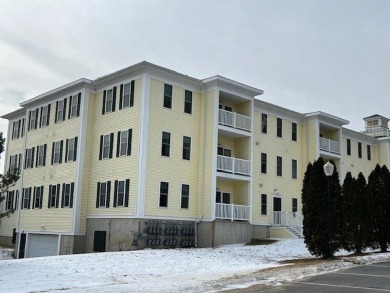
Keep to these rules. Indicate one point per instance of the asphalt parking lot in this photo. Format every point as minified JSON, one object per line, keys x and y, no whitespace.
{"x":366,"y":278}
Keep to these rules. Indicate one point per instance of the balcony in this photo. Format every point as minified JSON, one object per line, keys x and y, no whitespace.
{"x":233,"y":165}
{"x":329,"y":145}
{"x":231,"y":212}
{"x":234,"y":120}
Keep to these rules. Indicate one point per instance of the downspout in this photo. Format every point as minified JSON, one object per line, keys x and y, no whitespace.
{"x":204,"y":166}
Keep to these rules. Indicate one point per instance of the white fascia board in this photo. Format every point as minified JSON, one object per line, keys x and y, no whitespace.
{"x":17,"y":114}
{"x":358,"y":135}
{"x":78,"y":84}
{"x":268,"y":108}
{"x":327,"y":118}
{"x":223,"y":82}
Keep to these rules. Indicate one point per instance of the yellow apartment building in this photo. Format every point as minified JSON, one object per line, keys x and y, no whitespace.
{"x":149,"y":157}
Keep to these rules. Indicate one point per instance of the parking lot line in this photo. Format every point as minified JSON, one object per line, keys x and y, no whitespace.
{"x":343,"y":286}
{"x":368,"y":275}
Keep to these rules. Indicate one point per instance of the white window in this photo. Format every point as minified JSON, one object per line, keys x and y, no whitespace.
{"x":106,"y":146}
{"x":71,"y":149}
{"x":26,"y":198}
{"x":29,"y":158}
{"x":38,"y":192}
{"x":126,"y":95}
{"x":41,"y":155}
{"x":13,"y":164}
{"x":120,"y":198}
{"x":44,"y":116}
{"x":103,"y":194}
{"x":16,"y":129}
{"x":124,"y":143}
{"x":74,"y":106}
{"x":67,"y":195}
{"x":10,"y":200}
{"x":53,"y":196}
{"x":57,"y":146}
{"x":109,"y":101}
{"x":60,"y":115}
{"x":33,"y":119}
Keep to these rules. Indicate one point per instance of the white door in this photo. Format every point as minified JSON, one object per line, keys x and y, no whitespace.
{"x":42,"y":245}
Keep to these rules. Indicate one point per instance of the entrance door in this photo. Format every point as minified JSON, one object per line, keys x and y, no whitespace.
{"x":22,"y":245}
{"x":99,"y":241}
{"x":277,"y":211}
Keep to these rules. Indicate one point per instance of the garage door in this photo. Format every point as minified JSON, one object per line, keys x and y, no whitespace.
{"x":42,"y":245}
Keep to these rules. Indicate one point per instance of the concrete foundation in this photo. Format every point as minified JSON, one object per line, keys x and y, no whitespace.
{"x":72,"y":244}
{"x":6,"y":241}
{"x":260,"y":232}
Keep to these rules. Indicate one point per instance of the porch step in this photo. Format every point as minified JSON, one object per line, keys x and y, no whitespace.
{"x":293,"y":232}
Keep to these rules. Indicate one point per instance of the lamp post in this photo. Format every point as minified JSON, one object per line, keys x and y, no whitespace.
{"x":328,"y":170}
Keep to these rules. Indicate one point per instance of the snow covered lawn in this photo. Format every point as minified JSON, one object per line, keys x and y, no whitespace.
{"x":178,"y":270}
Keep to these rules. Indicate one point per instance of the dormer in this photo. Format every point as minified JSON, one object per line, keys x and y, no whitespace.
{"x":376,"y":126}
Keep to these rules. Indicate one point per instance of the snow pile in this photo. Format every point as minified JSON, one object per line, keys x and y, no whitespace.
{"x":177,"y":270}
{"x":6,"y":253}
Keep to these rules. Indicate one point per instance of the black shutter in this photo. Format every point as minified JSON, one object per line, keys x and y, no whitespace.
{"x":111,"y":144}
{"x":25,"y":160}
{"x":41,"y":197}
{"x":49,"y":197}
{"x":78,"y":104}
{"x":13,"y":129}
{"x":108,"y":194}
{"x":75,"y":148}
{"x":55,"y":116}
{"x":101,"y":147}
{"x":71,"y":194}
{"x":40,"y":118}
{"x":118,"y":144}
{"x":36,"y":118}
{"x":48,"y":114}
{"x":115,"y":193}
{"x":52,"y":154}
{"x":20,"y":126}
{"x":120,"y":96}
{"x":58,"y":195}
{"x":129,"y":140}
{"x":17,"y":200}
{"x":32,"y":157}
{"x":64,"y":111}
{"x":132,"y":94}
{"x":97,"y":194}
{"x":23,"y":121}
{"x":61,"y":147}
{"x":113,"y":98}
{"x":29,"y":119}
{"x":21,"y":206}
{"x":44,"y":154}
{"x":29,"y":197}
{"x":20,"y":163}
{"x":63,"y":195}
{"x":104,"y":102}
{"x":127,"y":190}
{"x":36,"y":159}
{"x":70,"y":106}
{"x":66,"y":151}
{"x":33,"y":205}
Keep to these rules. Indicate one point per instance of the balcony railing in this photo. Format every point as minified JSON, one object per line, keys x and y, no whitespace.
{"x":291,"y":220}
{"x":235,"y":120}
{"x":233,"y":165}
{"x":329,"y":145}
{"x":231,"y":212}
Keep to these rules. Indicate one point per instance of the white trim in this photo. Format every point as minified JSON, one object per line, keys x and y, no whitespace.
{"x":251,"y":152}
{"x":143,"y":146}
{"x":159,"y":193}
{"x":79,"y":180}
{"x":214,"y":152}
{"x":181,"y":195}
{"x":143,"y":218}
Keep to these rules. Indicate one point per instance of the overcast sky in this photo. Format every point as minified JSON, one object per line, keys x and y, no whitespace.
{"x":330,"y":56}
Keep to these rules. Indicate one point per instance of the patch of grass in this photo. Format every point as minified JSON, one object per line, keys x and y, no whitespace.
{"x":261,"y":242}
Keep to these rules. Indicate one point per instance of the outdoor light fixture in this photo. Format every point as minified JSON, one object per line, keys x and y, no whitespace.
{"x":328,"y":170}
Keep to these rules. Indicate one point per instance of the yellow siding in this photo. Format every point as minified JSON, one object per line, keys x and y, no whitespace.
{"x":172,"y":169}
{"x":120,"y":168}
{"x":312,"y":136}
{"x":274,"y":146}
{"x":55,"y":219}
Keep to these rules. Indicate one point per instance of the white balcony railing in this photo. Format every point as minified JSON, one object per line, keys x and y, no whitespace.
{"x":235,"y":120}
{"x":233,"y":165}
{"x":329,"y":145}
{"x":292,"y":220}
{"x":231,"y":212}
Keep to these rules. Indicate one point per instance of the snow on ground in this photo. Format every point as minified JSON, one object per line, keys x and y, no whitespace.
{"x":175,"y":270}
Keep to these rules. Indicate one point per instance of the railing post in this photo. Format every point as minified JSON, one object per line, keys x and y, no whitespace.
{"x":232,"y":213}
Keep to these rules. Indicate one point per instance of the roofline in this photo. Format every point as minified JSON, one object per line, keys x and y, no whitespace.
{"x":354,"y":133}
{"x":220,"y":79}
{"x":16,"y":113}
{"x":328,"y":116}
{"x":259,"y":103}
{"x":80,"y":81}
